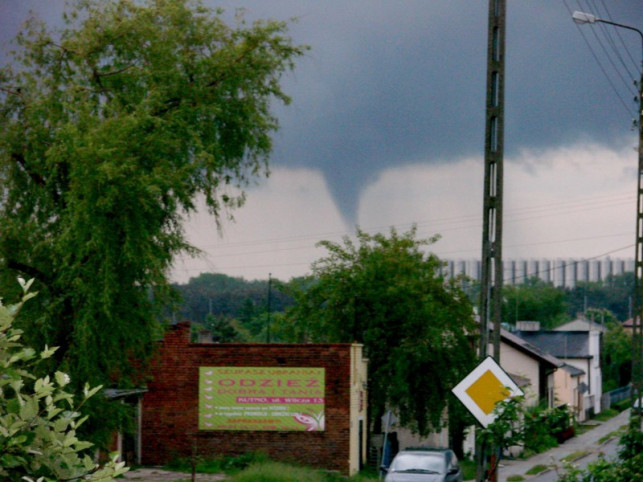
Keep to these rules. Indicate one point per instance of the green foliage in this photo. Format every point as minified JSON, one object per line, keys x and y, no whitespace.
{"x":386,"y":293}
{"x":39,"y":418}
{"x":112,"y":128}
{"x":536,"y":469}
{"x":468,"y":467}
{"x":544,"y":427}
{"x":280,"y":472}
{"x":222,"y":328}
{"x":612,"y":294}
{"x":534,"y":300}
{"x":214,"y":465}
{"x":536,"y":429}
{"x":258,"y":467}
{"x":622,"y":405}
{"x":616,"y":356}
{"x":507,"y":428}
{"x":232,"y":298}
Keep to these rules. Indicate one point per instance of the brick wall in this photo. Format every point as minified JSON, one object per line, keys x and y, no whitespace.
{"x":169,"y":425}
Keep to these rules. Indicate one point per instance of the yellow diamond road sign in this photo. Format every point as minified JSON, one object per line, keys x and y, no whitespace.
{"x":483,"y":388}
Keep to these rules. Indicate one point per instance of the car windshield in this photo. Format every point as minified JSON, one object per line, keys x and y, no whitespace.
{"x":418,"y":462}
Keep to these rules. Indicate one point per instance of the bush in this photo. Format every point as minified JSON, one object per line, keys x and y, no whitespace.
{"x":622,"y":405}
{"x":278,"y":472}
{"x":546,"y":428}
{"x":38,"y":417}
{"x":217,"y":464}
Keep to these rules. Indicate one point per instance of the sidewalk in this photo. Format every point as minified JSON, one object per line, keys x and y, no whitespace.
{"x":588,"y":441}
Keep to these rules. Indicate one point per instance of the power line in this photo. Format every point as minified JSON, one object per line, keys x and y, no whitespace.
{"x":616,"y":49}
{"x":616,"y":91}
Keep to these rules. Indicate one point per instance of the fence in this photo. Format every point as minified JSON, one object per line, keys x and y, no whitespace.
{"x":610,"y":398}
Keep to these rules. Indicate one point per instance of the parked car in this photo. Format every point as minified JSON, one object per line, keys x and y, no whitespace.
{"x":424,"y":465}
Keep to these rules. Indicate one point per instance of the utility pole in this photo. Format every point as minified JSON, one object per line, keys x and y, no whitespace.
{"x":269,"y":307}
{"x":637,"y":300}
{"x":637,"y":320}
{"x":491,"y":284}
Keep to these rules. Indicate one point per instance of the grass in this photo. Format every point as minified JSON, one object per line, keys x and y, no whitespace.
{"x":584,"y":427}
{"x":616,"y":433}
{"x":468,"y":469}
{"x":606,"y":415}
{"x":536,"y":469}
{"x":280,"y":472}
{"x":575,"y":455}
{"x":256,"y":467}
{"x":217,"y":465}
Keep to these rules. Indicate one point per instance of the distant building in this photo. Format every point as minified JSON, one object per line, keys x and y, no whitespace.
{"x":529,"y":366}
{"x":580,"y":383}
{"x":561,"y":272}
{"x":581,"y":324}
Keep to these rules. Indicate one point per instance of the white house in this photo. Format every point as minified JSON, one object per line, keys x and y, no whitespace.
{"x":581,"y":383}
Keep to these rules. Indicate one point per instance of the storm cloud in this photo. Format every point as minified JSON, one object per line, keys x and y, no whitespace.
{"x":393,"y":83}
{"x":386,"y":126}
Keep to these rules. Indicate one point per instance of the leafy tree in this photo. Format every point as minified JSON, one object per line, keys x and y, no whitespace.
{"x":38,"y":416}
{"x":416,"y":327}
{"x":613,"y":294}
{"x":111,"y":129}
{"x":616,"y":354}
{"x":505,"y":431}
{"x":221,"y":295}
{"x":535,"y":300}
{"x":222,"y":328}
{"x":600,"y":316}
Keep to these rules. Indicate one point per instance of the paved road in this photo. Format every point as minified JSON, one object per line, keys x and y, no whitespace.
{"x":586,"y":442}
{"x":608,"y":450}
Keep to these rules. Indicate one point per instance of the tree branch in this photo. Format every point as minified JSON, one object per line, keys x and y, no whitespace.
{"x":30,"y":271}
{"x":17,"y":92}
{"x":20,"y":159}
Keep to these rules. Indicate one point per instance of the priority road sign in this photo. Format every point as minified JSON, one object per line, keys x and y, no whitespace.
{"x":483,"y":388}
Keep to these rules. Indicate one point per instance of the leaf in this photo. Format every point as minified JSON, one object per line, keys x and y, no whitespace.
{"x":62,"y":379}
{"x":90,"y":392}
{"x":29,"y":409}
{"x":48,"y":352}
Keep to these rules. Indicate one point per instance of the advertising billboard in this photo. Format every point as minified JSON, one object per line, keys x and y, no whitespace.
{"x":261,"y":398}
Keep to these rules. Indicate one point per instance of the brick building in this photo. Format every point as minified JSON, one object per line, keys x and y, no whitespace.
{"x":295,"y":402}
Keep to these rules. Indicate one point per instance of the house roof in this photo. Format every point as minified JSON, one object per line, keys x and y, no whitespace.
{"x":580,"y":324}
{"x":519,"y":380}
{"x":573,"y":371}
{"x":561,"y":344}
{"x":530,"y":349}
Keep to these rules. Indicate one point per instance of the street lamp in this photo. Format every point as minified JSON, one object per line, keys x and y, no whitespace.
{"x":637,"y":335}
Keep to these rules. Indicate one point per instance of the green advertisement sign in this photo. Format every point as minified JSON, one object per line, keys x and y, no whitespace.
{"x":261,"y":398}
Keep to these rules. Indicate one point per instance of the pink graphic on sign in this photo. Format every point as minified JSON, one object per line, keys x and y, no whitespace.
{"x":312,"y":422}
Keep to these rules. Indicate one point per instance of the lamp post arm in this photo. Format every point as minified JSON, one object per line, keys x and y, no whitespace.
{"x":628,"y":27}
